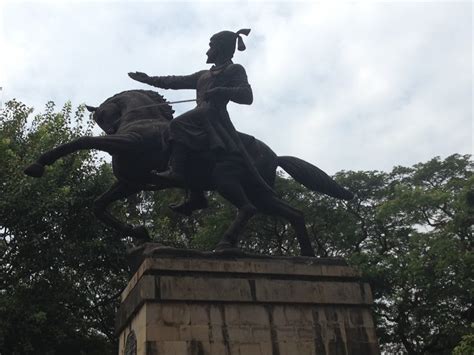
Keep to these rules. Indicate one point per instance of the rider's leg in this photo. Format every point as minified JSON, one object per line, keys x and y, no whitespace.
{"x":186,"y":133}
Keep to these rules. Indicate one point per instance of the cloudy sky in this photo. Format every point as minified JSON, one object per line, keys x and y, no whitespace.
{"x":344,"y":85}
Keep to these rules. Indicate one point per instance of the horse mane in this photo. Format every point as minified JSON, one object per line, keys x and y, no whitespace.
{"x":166,"y":110}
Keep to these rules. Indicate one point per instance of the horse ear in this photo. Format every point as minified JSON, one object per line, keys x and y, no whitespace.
{"x":91,"y":108}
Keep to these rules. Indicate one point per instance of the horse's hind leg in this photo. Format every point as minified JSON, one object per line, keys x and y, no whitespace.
{"x":116,"y":192}
{"x":111,"y":144}
{"x":230,"y":188}
{"x":231,"y":236}
{"x":274,"y":206}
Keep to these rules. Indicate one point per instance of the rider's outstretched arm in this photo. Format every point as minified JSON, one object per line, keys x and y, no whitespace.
{"x":175,"y":81}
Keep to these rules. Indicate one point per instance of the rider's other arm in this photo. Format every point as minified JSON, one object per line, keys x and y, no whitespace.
{"x":237,"y":88}
{"x":175,"y":81}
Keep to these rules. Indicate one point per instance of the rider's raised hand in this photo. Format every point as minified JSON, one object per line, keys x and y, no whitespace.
{"x":139,"y":76}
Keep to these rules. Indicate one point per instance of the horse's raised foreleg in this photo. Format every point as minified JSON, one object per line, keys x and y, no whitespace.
{"x":272,"y":205}
{"x":116,"y":192}
{"x":113,"y":144}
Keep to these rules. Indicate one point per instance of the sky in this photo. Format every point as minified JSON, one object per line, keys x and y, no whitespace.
{"x":362,"y":85}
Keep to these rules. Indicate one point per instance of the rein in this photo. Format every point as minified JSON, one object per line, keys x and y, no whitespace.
{"x":162,"y":104}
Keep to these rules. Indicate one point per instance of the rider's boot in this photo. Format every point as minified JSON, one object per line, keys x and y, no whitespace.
{"x":197,"y":201}
{"x":175,"y":173}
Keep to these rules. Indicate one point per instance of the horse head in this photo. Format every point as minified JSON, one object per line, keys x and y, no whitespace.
{"x":129,"y":106}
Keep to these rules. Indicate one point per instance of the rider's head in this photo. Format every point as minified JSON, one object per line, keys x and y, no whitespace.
{"x":222,"y":45}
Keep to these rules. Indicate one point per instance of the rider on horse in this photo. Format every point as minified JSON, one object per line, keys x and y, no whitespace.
{"x":207,"y":127}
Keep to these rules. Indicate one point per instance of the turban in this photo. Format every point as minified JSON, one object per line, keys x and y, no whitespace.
{"x":227,"y":39}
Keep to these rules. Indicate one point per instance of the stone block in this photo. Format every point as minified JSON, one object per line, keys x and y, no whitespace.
{"x":286,"y":333}
{"x":252,"y":315}
{"x":163,"y":333}
{"x":203,"y":348}
{"x":305,"y":333}
{"x":204,"y":289}
{"x":176,"y":314}
{"x":232,"y":314}
{"x":219,"y":348}
{"x":185,"y":332}
{"x":273,"y":266}
{"x":239,"y":334}
{"x":131,"y":284}
{"x":250,"y":349}
{"x":261,"y":334}
{"x":306,"y":348}
{"x":154,"y":314}
{"x":200,"y":314}
{"x":200,"y":332}
{"x":297,"y":315}
{"x":310,"y":292}
{"x":173,"y":348}
{"x":368,"y":320}
{"x":216,"y":333}
{"x":287,"y":348}
{"x":277,"y":312}
{"x":195,"y":306}
{"x":356,"y":317}
{"x":266,"y":348}
{"x":217,"y":313}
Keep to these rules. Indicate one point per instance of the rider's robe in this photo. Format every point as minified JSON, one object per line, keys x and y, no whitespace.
{"x":207,"y":126}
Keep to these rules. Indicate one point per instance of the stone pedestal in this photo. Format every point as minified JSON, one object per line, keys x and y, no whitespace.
{"x":202,"y":304}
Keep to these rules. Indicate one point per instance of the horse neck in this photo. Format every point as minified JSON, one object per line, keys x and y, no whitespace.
{"x":136,"y":110}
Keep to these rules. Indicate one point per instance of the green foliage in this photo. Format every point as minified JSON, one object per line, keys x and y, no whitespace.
{"x":466,"y":346}
{"x":59,"y":266}
{"x":410,"y":232}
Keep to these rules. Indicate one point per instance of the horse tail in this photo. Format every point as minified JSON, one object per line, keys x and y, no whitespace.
{"x":313,"y":178}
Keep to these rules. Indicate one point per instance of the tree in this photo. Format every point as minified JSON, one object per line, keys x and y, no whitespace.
{"x":466,"y":346}
{"x":410,"y":232}
{"x":60,"y":268}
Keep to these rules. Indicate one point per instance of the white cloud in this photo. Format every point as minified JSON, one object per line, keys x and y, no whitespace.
{"x":351,"y":86}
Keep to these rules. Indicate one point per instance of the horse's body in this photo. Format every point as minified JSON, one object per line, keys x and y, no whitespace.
{"x":136,"y":138}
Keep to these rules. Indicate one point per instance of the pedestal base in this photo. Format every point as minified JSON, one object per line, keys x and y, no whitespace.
{"x":203,"y":304}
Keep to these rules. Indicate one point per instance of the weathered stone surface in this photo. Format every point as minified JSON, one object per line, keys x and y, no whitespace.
{"x":312,"y":292}
{"x":204,"y":262}
{"x":250,"y":306}
{"x":204,"y":289}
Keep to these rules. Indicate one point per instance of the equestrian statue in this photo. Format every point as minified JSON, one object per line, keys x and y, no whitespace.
{"x":199,"y":150}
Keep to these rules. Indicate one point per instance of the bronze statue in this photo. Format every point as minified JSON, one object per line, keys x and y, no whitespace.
{"x":207,"y":127}
{"x":206,"y":151}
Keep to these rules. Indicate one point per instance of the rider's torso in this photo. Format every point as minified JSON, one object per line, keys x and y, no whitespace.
{"x":208,"y":80}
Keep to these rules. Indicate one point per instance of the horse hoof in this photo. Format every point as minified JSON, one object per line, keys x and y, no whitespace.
{"x":34,"y":170}
{"x":308,"y":252}
{"x":224,"y":246}
{"x":140,"y":235}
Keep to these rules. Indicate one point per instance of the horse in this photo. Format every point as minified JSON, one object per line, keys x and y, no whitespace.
{"x":136,"y":123}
